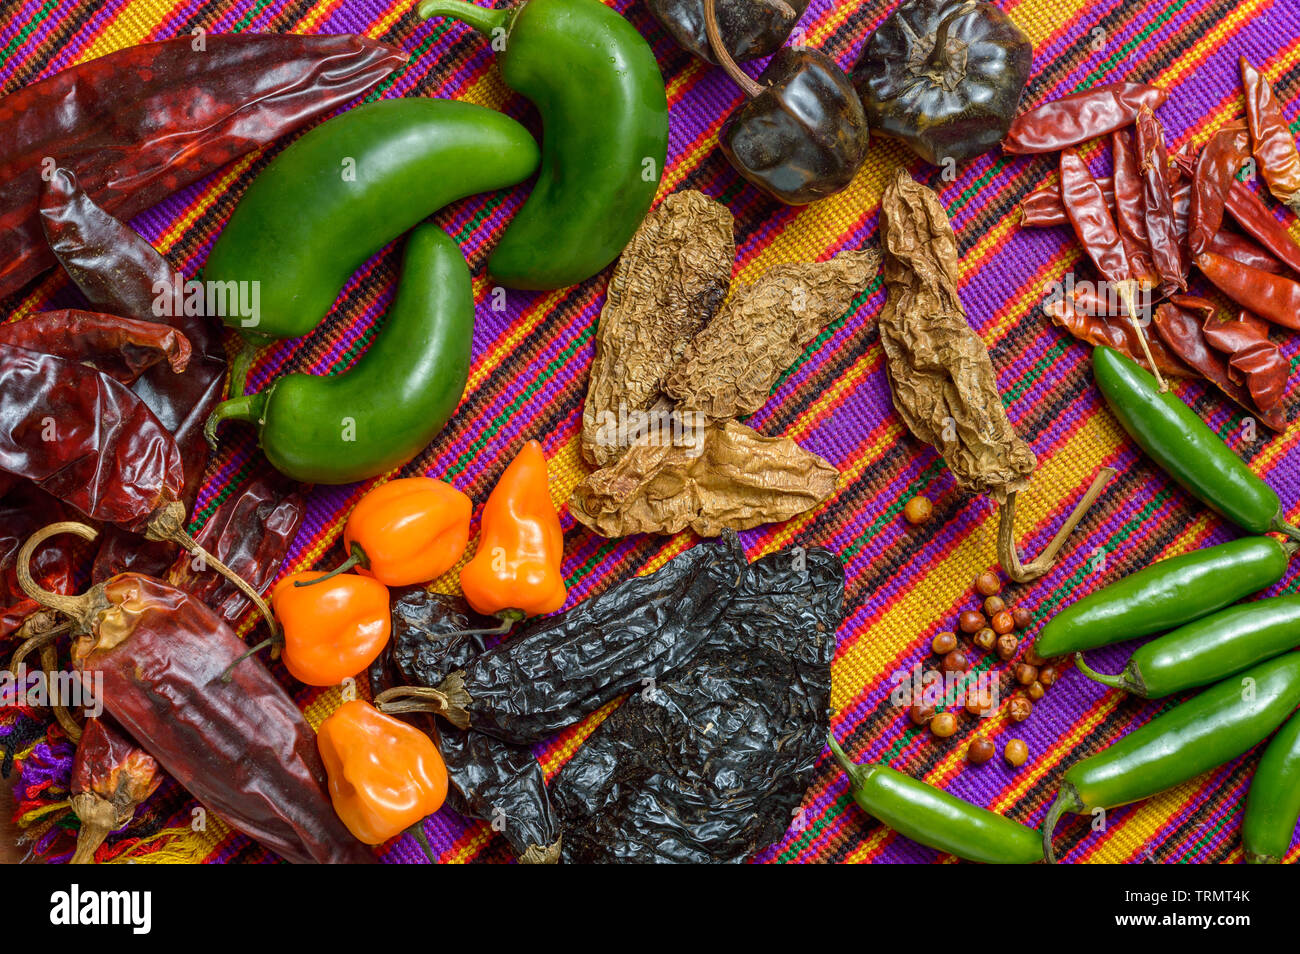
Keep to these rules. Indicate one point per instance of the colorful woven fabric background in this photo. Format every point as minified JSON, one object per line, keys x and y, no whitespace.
{"x":904,"y":584}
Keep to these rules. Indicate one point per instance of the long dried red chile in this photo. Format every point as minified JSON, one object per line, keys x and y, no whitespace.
{"x":1081,"y":116}
{"x":1162,"y":227}
{"x":1273,"y":297}
{"x":1216,"y":171}
{"x":121,"y":347}
{"x":1274,"y":146}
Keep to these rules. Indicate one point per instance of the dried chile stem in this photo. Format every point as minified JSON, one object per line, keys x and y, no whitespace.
{"x":401,"y":699}
{"x":69,"y":724}
{"x":44,"y":636}
{"x":169,"y":524}
{"x":1010,"y":558}
{"x":742,"y":79}
{"x":937,"y":64}
{"x":1126,"y":291}
{"x":537,"y":855}
{"x":81,"y":607}
{"x":99,"y":818}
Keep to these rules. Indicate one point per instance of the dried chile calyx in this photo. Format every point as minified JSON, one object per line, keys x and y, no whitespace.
{"x":944,"y":76}
{"x":751,"y":29}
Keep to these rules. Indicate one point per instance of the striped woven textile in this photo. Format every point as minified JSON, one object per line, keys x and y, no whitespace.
{"x":904,"y":584}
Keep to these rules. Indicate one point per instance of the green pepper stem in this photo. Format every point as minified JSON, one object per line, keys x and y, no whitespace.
{"x":356,"y":557}
{"x":416,"y":831}
{"x":1281,"y":526}
{"x":246,"y":407}
{"x":239,"y":367}
{"x":1105,"y":678}
{"x":229,"y":671}
{"x":851,"y":768}
{"x":483,"y":19}
{"x":1054,"y":814}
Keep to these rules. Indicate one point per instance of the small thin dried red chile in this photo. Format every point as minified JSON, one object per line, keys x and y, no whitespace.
{"x":751,"y":29}
{"x":1216,"y":172}
{"x":1078,"y":117}
{"x":121,"y":347}
{"x":1162,"y":225}
{"x":1238,"y":248}
{"x":1094,"y":319}
{"x":1253,"y":358}
{"x":1274,"y":146}
{"x":1275,"y":298}
{"x":111,"y":778}
{"x":1130,"y":210}
{"x":1042,"y":208}
{"x":148,"y":120}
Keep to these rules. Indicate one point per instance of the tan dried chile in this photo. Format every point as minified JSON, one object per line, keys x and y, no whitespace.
{"x":939,"y":370}
{"x":667,"y":285}
{"x":729,"y":368}
{"x":738,"y":479}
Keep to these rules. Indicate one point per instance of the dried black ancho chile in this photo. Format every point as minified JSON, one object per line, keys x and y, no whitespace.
{"x":710,"y":763}
{"x":751,"y":29}
{"x":944,"y":76}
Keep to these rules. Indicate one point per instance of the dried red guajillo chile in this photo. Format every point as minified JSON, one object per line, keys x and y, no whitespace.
{"x":111,"y":778}
{"x":1216,"y":171}
{"x":1093,"y":318}
{"x":1162,"y":226}
{"x":86,"y":440}
{"x":238,"y":744}
{"x":1081,"y":116}
{"x":121,"y":347}
{"x":1274,"y":146}
{"x":147,"y":120}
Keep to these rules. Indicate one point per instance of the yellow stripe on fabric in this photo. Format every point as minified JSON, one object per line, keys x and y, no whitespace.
{"x":135,"y":23}
{"x":1040,"y":19}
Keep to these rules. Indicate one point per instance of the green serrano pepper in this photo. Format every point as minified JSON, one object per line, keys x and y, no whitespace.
{"x":934,"y":818}
{"x":378,"y":415}
{"x":1273,"y":802}
{"x":595,"y":82}
{"x":1185,"y":448}
{"x":345,"y":190}
{"x":1215,"y":727}
{"x":1209,"y":649}
{"x":1165,"y":595}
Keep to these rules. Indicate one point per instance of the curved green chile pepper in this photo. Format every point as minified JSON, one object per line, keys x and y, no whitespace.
{"x":604,"y":114}
{"x":934,"y":818}
{"x":1209,"y":649}
{"x":345,"y":190}
{"x":1165,"y":595}
{"x":1185,"y":448}
{"x":340,"y":428}
{"x":1203,"y":733}
{"x":1273,"y":802}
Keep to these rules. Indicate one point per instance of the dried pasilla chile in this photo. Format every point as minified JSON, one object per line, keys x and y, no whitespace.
{"x":250,"y":532}
{"x":1096,"y":320}
{"x":491,"y":780}
{"x":729,"y":367}
{"x":944,"y":76}
{"x":1273,"y":145}
{"x":802,"y":134}
{"x":174,"y":676}
{"x":1164,"y":236}
{"x":111,"y":778}
{"x":555,"y":671}
{"x":667,"y":285}
{"x":1216,"y":171}
{"x":1253,"y":358}
{"x":86,"y":440}
{"x":148,"y":120}
{"x":750,"y":29}
{"x":709,"y":763}
{"x":1078,"y":117}
{"x":121,"y":347}
{"x":940,"y":373}
{"x":726,"y":477}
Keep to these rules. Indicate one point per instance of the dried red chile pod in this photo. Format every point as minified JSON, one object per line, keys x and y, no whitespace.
{"x":111,"y":778}
{"x":944,"y":76}
{"x":121,"y":347}
{"x":147,"y":120}
{"x":751,"y":29}
{"x":1078,"y":117}
{"x":23,"y":510}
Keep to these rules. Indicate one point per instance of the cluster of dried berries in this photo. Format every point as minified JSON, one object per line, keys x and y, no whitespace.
{"x":677,"y":361}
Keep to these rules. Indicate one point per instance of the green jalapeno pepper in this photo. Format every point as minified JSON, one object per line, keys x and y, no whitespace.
{"x":345,"y":190}
{"x":604,"y":113}
{"x":1215,"y":727}
{"x":1210,"y":649}
{"x":345,"y":427}
{"x":934,"y":818}
{"x":1184,"y":447}
{"x":1273,"y":802}
{"x":1165,"y":595}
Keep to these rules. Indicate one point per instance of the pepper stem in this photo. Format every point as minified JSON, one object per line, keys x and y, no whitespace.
{"x":1105,"y":678}
{"x":742,"y":79}
{"x":357,"y":557}
{"x":847,"y":764}
{"x":78,"y":607}
{"x":50,"y":663}
{"x":1009,"y":557}
{"x":240,"y":365}
{"x":41,"y":638}
{"x":401,"y":699}
{"x":1126,"y":292}
{"x":229,"y":671}
{"x":1065,"y":801}
{"x":937,"y":61}
{"x":422,"y":839}
{"x":246,"y":407}
{"x":1281,"y":526}
{"x":483,"y":19}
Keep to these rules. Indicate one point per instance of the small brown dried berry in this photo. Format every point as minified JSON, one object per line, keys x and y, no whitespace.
{"x":985,"y":638}
{"x":978,"y":705}
{"x":918,"y":510}
{"x":987,"y":583}
{"x":943,"y":725}
{"x":994,"y":605}
{"x":972,"y":622}
{"x":980,"y":751}
{"x":1016,"y":753}
{"x":944,"y":643}
{"x":1020,"y":708}
{"x":1021,"y":617}
{"x":954,"y":661}
{"x":1007,"y":645}
{"x":1046,"y":675}
{"x":1032,"y":657}
{"x":1025,"y":673}
{"x":1035,"y":690}
{"x":920,"y":715}
{"x":1002,"y":623}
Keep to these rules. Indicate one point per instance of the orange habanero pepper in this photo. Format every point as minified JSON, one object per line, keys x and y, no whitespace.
{"x":516,"y":570}
{"x":384,"y":775}
{"x":406,"y":531}
{"x":334,"y":630}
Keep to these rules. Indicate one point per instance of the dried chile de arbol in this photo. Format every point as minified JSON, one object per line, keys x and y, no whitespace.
{"x":1273,"y":145}
{"x":556,"y":670}
{"x":1096,"y":320}
{"x":148,"y":120}
{"x":491,"y":780}
{"x":709,"y":763}
{"x":1165,"y":237}
{"x":1216,"y":171}
{"x":1078,"y":117}
{"x":1043,"y":208}
{"x":178,"y":680}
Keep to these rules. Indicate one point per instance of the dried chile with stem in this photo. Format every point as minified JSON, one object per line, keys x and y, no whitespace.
{"x":177,"y":679}
{"x":23,"y":510}
{"x":750,"y":29}
{"x":556,"y":670}
{"x":1274,"y":146}
{"x":120,"y":347}
{"x":1078,"y":117}
{"x":1216,"y":171}
{"x":939,"y":371}
{"x":1093,"y":319}
{"x":667,"y":285}
{"x":727,"y":476}
{"x":1043,"y":208}
{"x":709,"y":763}
{"x":111,"y":778}
{"x":1166,"y":240}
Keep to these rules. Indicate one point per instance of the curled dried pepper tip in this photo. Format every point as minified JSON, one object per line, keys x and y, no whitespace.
{"x":67,"y":721}
{"x":1008,"y":555}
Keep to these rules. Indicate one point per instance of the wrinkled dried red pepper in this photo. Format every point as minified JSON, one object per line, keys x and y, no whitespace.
{"x":1274,"y":146}
{"x":1239,"y":249}
{"x":111,"y":778}
{"x":141,"y":123}
{"x":1216,"y":171}
{"x":238,"y":744}
{"x":23,"y":511}
{"x":1078,"y":117}
{"x":1042,"y":208}
{"x":1253,"y":358}
{"x":1130,"y":210}
{"x":1272,"y":297}
{"x":120,"y":347}
{"x":1162,"y":227}
{"x":1091,"y":318}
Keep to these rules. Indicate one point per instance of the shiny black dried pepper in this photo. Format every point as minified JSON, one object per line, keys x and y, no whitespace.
{"x":751,"y":29}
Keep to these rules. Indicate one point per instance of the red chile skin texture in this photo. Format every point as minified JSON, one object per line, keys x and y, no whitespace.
{"x":242,"y":747}
{"x":143,"y":122}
